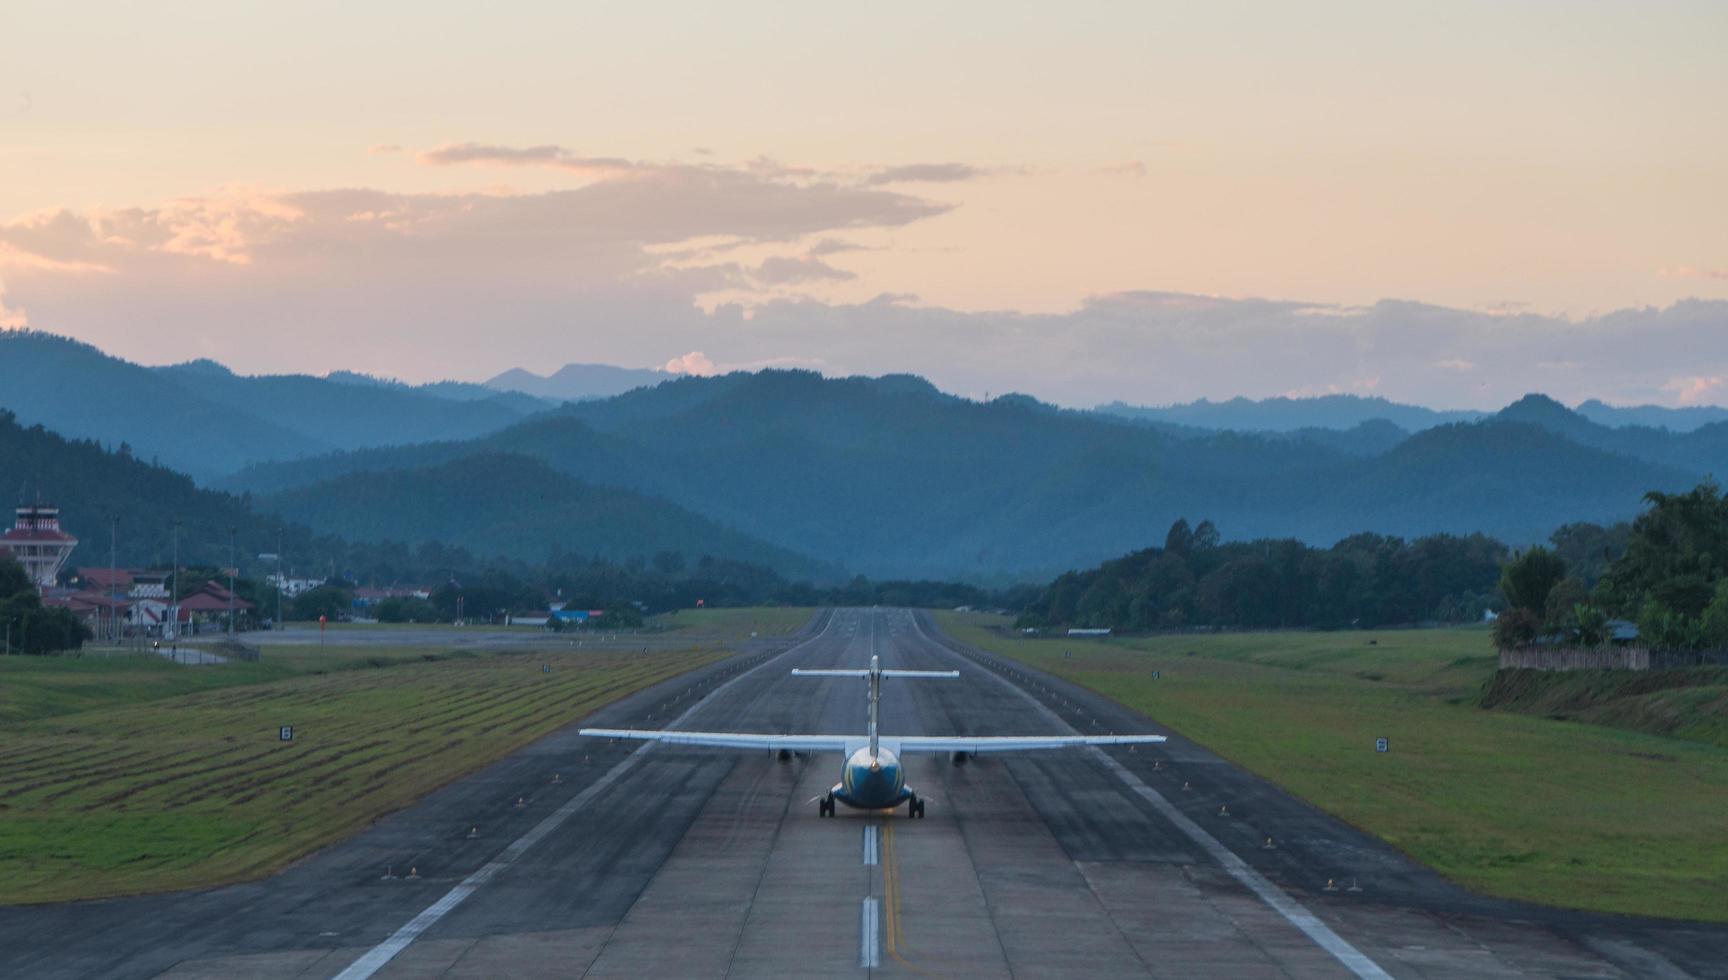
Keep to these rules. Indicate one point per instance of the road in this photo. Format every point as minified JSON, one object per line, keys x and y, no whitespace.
{"x":581,"y":858}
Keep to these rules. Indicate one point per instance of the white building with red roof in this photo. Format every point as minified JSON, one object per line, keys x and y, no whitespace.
{"x":38,"y":543}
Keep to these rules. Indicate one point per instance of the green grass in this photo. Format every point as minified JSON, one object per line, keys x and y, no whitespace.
{"x":41,"y":687}
{"x":134,"y":774}
{"x":736,"y":624}
{"x":1506,"y":804}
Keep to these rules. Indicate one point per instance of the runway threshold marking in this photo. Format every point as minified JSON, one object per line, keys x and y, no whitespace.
{"x":375,"y":958}
{"x":1356,"y":961}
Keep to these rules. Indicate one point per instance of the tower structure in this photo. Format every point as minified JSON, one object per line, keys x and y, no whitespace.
{"x":37,"y":541}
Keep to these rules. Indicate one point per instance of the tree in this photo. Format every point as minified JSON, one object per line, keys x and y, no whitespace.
{"x":1565,"y":597}
{"x":33,"y":628}
{"x":1515,"y":628}
{"x":1180,"y":539}
{"x":1525,"y":581}
{"x":1592,"y":624}
{"x":1713,"y":624}
{"x":329,"y":601}
{"x":1666,"y":629}
{"x":406,"y":609}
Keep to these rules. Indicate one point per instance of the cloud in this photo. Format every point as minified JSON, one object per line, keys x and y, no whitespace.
{"x":525,"y":156}
{"x":1697,"y":389}
{"x":11,"y":318}
{"x":834,"y":246}
{"x":780,"y":270}
{"x":1127,"y":168}
{"x":694,"y":363}
{"x":928,"y":173}
{"x":621,"y":270}
{"x":1692,"y":272}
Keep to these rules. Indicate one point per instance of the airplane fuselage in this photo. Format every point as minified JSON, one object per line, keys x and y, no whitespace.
{"x":872,"y":782}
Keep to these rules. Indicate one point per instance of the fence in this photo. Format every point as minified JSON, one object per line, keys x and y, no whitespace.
{"x":1608,"y":658}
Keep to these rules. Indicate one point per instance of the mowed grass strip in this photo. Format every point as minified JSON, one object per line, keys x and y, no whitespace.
{"x":1506,"y":804}
{"x":735,"y":624}
{"x":153,"y":793}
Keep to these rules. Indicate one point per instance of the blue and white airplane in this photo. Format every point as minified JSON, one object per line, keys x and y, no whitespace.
{"x":872,"y":778}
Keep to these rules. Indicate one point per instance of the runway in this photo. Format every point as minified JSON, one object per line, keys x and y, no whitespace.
{"x":625,"y":860}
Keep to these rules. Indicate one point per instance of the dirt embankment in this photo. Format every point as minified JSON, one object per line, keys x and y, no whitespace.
{"x":1690,"y":703}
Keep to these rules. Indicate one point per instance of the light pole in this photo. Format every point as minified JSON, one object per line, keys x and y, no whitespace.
{"x":231,"y":570}
{"x":113,"y":613}
{"x":174,"y":590}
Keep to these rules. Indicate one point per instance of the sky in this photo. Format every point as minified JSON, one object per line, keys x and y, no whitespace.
{"x":1450,"y":204}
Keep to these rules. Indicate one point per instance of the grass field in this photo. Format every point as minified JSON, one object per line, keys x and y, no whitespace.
{"x":736,"y":624}
{"x":1506,"y":804}
{"x":134,"y":774}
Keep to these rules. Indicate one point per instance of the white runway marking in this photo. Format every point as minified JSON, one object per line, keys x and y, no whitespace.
{"x":375,"y":958}
{"x":869,"y":955}
{"x":870,"y":849}
{"x":1293,"y":911}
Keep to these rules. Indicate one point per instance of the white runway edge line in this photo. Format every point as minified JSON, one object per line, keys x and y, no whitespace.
{"x":375,"y":958}
{"x":870,"y":850}
{"x":869,"y":927}
{"x":1293,"y":912}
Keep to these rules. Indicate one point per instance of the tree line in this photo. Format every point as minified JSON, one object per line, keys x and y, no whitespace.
{"x":1198,"y":580}
{"x":1666,"y":571}
{"x":28,"y":625}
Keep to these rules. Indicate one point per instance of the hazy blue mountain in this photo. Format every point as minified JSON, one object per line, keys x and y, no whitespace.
{"x":513,"y":506}
{"x":577,"y":382}
{"x":461,"y":391}
{"x":1653,"y":416}
{"x":1370,"y":438}
{"x":93,"y":486}
{"x":202,"y":419}
{"x":1286,"y":414}
{"x":341,"y":413}
{"x":79,"y":391}
{"x":891,"y":477}
{"x":1703,"y":450}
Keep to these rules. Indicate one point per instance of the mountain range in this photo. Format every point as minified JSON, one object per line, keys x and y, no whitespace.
{"x":885,"y":476}
{"x":891,"y":477}
{"x":577,"y":382}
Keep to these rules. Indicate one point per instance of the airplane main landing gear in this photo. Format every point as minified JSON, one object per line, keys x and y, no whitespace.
{"x":915,"y":808}
{"x":825,"y":806}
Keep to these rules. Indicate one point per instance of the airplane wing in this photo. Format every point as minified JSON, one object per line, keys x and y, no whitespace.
{"x":801,"y":672}
{"x":1013,"y":743}
{"x":732,"y":740}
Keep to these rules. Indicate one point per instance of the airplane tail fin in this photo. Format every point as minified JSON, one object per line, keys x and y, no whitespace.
{"x":875,"y":673}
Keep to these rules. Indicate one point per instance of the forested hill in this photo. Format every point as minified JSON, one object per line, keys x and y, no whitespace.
{"x":419,"y":526}
{"x":1197,"y":579}
{"x":891,"y":477}
{"x":201,"y":419}
{"x":512,"y":506}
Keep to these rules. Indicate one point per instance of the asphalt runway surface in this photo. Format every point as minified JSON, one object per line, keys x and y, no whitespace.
{"x":633,"y":860}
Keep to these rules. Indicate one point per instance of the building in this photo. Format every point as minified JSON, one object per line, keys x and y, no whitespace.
{"x":210,"y":603}
{"x":38,"y":543}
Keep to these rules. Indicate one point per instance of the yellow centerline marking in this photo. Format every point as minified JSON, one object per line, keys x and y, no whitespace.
{"x":891,"y":896}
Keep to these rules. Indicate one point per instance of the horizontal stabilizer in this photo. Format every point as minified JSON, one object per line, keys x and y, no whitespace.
{"x":731,"y":740}
{"x":920,"y":673}
{"x":1015,"y":743}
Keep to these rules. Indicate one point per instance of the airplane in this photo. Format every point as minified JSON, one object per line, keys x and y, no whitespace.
{"x":872,"y":777}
